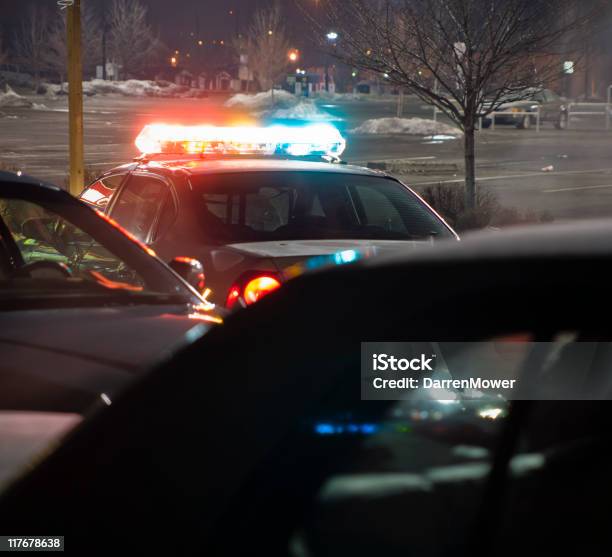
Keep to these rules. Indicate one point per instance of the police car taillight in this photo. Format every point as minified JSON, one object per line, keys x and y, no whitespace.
{"x":252,"y":290}
{"x":312,"y":139}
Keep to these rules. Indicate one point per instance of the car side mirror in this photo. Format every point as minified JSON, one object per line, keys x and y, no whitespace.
{"x":190,"y":270}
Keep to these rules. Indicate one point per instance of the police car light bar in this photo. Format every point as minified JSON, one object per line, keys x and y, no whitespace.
{"x":298,"y":141}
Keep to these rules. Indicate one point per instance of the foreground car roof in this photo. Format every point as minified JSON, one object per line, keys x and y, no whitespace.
{"x":472,"y":292}
{"x":582,"y":239}
{"x":13,"y":181}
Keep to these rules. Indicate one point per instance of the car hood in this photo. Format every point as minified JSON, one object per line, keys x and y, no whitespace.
{"x":126,"y":337}
{"x":86,"y":350}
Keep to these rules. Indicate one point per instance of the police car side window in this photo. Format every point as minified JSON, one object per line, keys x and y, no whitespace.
{"x":139,"y":205}
{"x":166,"y":218}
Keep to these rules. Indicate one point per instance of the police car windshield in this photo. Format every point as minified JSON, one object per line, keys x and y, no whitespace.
{"x":261,"y":206}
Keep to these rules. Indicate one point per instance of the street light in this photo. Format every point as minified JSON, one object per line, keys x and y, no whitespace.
{"x":293,"y":55}
{"x":332,"y":36}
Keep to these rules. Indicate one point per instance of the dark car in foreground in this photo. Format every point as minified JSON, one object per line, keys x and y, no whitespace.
{"x":232,"y":448}
{"x":249,"y":217}
{"x":523,"y":113}
{"x":84,"y":309}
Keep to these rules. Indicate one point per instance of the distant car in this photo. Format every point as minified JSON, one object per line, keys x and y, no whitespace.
{"x":258,"y":436}
{"x":84,"y":309}
{"x":553,"y":109}
{"x":249,"y":203}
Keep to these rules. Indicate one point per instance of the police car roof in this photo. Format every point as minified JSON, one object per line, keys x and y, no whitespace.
{"x":199,"y":166}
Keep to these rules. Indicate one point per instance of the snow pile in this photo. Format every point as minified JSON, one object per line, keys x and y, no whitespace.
{"x":284,"y":106}
{"x":10,"y":99}
{"x":304,"y":110}
{"x":135,"y":88}
{"x":51,"y":92}
{"x":131,"y":88}
{"x":262,"y":101}
{"x":326,"y":96}
{"x":351,"y":97}
{"x":409,"y":126}
{"x":340,"y":97}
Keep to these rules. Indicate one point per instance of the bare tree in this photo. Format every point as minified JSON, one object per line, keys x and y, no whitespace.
{"x":133,"y":44}
{"x":32,"y":41}
{"x":465,"y":57}
{"x":57,"y":52}
{"x":267,"y":45}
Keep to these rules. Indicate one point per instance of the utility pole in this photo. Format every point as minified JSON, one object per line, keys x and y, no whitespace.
{"x":75,"y":97}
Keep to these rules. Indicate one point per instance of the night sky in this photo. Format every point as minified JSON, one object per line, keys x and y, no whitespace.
{"x":175,"y":20}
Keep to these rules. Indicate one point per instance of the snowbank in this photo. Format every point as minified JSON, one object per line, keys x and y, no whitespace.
{"x":409,"y":126}
{"x":362,"y":97}
{"x":10,"y":99}
{"x":284,"y":105}
{"x":340,"y":97}
{"x":132,"y":88}
{"x":140,"y":88}
{"x":262,"y":101}
{"x":304,"y":110}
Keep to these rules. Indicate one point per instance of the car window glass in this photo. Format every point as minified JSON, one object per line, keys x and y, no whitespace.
{"x":42,"y":235}
{"x":267,"y":209}
{"x":280,"y":206}
{"x":379,"y":210}
{"x":139,"y":204}
{"x":316,"y":210}
{"x":417,"y":420}
{"x":166,"y":218}
{"x":101,"y":192}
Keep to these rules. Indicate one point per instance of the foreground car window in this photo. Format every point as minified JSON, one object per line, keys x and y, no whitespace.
{"x":284,"y":206}
{"x":41,"y":235}
{"x":59,"y":250}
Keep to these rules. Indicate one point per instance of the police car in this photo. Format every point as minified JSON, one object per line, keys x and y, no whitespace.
{"x":252,"y":203}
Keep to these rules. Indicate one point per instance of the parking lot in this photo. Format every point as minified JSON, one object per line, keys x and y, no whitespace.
{"x":510,"y":162}
{"x":258,"y":295}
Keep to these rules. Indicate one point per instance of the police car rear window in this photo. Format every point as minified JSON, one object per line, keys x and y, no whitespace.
{"x":260,"y":206}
